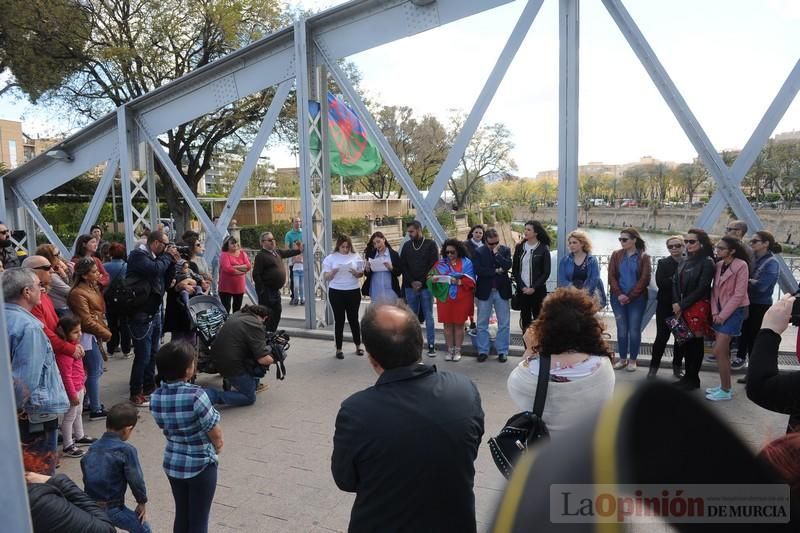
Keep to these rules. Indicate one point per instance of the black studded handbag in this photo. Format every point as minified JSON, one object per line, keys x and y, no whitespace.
{"x":523,"y":429}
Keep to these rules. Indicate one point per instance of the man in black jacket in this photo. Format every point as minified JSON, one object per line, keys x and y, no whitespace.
{"x":417,"y":257}
{"x":407,"y":445}
{"x":493,"y":291}
{"x":58,"y":506}
{"x":152,"y":262}
{"x":269,"y":276}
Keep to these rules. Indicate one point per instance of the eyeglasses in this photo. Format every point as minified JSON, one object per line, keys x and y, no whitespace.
{"x":753,"y":241}
{"x":732,"y":229}
{"x":4,"y":232}
{"x":43,"y":267}
{"x":492,"y":243}
{"x":674,"y":246}
{"x":623,"y":239}
{"x":689,"y":241}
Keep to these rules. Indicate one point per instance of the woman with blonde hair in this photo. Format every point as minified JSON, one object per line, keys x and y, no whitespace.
{"x":580,"y":269}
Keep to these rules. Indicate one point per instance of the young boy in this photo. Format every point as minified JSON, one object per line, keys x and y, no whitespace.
{"x":111,"y":464}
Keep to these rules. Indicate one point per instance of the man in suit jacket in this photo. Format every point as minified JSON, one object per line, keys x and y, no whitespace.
{"x":407,"y":445}
{"x":493,"y":291}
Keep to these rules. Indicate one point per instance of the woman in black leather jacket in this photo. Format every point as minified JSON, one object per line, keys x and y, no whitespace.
{"x":692,"y":284}
{"x":530,"y":269}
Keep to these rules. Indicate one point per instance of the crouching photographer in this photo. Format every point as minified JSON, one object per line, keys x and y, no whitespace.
{"x":242,"y":354}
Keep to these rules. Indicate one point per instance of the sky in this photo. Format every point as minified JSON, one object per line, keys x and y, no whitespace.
{"x":727,"y":57}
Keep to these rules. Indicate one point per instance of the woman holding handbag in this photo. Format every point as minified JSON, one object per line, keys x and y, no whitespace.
{"x":667,"y":266}
{"x":729,"y":302}
{"x":629,"y":276}
{"x":691,"y":290}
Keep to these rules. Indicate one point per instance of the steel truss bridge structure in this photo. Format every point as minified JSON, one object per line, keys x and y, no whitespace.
{"x":306,"y":56}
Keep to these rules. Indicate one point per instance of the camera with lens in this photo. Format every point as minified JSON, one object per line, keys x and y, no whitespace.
{"x":184,"y":251}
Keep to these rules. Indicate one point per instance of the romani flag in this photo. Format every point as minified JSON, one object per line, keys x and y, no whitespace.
{"x":350,"y":150}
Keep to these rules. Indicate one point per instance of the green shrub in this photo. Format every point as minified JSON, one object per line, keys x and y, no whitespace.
{"x":249,"y":235}
{"x":473,"y":219}
{"x":351,"y":226}
{"x":488,"y":217}
{"x":446,"y":219}
{"x":504,"y":214}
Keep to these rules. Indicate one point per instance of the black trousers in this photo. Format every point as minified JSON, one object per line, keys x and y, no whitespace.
{"x":231,"y":302}
{"x":193,"y":497}
{"x":660,"y":343}
{"x":345,"y":303}
{"x":120,"y":334}
{"x":271,"y":299}
{"x":693,"y":353}
{"x":530,"y":305}
{"x":750,"y":329}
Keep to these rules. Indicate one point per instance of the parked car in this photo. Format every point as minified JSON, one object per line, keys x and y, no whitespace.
{"x":630,"y":203}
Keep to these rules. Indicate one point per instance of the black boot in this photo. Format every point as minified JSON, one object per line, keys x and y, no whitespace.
{"x":651,"y":372}
{"x":676,"y":371}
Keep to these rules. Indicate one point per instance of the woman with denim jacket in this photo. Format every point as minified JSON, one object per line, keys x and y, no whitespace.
{"x":729,"y":303}
{"x":580,"y":269}
{"x":629,"y":275}
{"x":692,"y":284}
{"x":530,"y":269}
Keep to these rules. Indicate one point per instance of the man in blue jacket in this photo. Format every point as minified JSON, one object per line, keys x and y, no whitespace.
{"x":152,"y":262}
{"x":407,"y":445}
{"x":493,"y":291}
{"x":38,"y":390}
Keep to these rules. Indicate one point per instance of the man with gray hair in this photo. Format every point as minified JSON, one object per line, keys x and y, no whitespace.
{"x":269,"y":276}
{"x":38,"y":391}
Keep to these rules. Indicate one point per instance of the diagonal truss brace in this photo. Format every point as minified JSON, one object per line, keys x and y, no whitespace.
{"x":99,"y":198}
{"x":485,"y":97}
{"x":728,"y":188}
{"x":29,"y":206}
{"x":392,"y":161}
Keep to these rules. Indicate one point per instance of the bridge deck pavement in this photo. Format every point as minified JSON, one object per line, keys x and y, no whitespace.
{"x":275,"y":467}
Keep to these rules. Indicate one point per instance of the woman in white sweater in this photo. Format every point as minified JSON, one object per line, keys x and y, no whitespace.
{"x":581,"y":374}
{"x":342,"y":270}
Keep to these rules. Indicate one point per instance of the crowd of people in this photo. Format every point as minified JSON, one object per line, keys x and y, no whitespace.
{"x":64,"y":322}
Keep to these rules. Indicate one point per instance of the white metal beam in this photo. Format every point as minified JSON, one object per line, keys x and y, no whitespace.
{"x":99,"y":197}
{"x":125,"y":169}
{"x":390,"y":157}
{"x":34,"y":212}
{"x":485,"y":97}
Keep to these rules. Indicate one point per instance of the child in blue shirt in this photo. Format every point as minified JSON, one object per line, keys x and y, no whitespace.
{"x":111,"y":465}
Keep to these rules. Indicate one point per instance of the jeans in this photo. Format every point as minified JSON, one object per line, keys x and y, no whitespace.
{"x":93,"y":364}
{"x":146,"y":337}
{"x":629,"y":326}
{"x":127,"y":520}
{"x":345,"y":303}
{"x":502,"y":309}
{"x":244,"y":393}
{"x":193,"y":498}
{"x":423,"y":299}
{"x":297,"y":291}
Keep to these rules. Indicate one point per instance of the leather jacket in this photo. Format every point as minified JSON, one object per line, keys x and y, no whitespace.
{"x":692,"y":281}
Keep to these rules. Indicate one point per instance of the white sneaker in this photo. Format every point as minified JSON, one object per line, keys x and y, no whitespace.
{"x":631,"y":366}
{"x":622,"y":363}
{"x":457,"y":355}
{"x":449,"y":356}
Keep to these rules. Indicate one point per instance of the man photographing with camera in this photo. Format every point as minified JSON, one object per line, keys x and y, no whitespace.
{"x":241,"y":354}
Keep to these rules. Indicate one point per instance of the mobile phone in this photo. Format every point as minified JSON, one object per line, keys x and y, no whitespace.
{"x":795,"y":320}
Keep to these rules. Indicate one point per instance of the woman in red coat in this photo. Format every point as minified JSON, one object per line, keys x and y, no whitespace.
{"x":452,"y":282}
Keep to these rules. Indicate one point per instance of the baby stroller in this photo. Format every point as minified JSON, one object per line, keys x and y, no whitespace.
{"x":207,"y":315}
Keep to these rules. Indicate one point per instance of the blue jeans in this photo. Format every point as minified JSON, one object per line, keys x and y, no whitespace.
{"x":629,"y":326}
{"x":125,"y":519}
{"x":193,"y":497}
{"x":93,"y":364}
{"x":425,"y":299}
{"x":244,"y":393}
{"x":146,"y":338}
{"x":297,"y":279}
{"x":502,"y":309}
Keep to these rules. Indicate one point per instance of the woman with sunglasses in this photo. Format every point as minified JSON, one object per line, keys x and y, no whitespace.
{"x":729,"y":303}
{"x":759,"y":290}
{"x":530,"y":269}
{"x":691,"y":292}
{"x":629,"y":275}
{"x":665,"y":270}
{"x":452,"y":283}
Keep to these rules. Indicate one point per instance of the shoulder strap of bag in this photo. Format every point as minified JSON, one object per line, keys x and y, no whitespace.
{"x":541,"y":385}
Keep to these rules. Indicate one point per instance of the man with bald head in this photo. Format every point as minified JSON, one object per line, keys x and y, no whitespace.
{"x":45,"y":311}
{"x":407,"y":445}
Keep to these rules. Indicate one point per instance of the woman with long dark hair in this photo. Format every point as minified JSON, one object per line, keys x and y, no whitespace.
{"x":530,"y":268}
{"x":382,"y":270}
{"x":691,"y":292}
{"x":86,"y":301}
{"x":341,"y":270}
{"x":452,"y":283}
{"x":729,"y":303}
{"x":629,"y":275}
{"x":86,"y":246}
{"x":665,"y":271}
{"x":762,"y":283}
{"x":475,"y":239}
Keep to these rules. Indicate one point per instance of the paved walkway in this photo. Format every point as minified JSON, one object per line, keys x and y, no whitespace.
{"x":275,"y":467}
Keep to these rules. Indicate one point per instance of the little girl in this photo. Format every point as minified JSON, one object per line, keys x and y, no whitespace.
{"x":297,"y":275}
{"x":194,"y":437}
{"x":73,"y":376}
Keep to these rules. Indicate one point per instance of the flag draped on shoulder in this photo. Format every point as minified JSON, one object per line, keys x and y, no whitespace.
{"x":351,"y":151}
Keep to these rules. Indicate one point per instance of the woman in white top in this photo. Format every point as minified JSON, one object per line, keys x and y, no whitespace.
{"x":341,"y":270}
{"x":581,"y":375}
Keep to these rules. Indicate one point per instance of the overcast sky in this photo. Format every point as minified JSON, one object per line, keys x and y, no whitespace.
{"x":727,"y":57}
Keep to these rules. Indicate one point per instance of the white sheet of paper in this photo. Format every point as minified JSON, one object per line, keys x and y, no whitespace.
{"x":377,"y":265}
{"x":441,"y":279}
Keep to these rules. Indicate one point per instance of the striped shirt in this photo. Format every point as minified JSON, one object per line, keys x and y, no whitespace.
{"x":185,"y":415}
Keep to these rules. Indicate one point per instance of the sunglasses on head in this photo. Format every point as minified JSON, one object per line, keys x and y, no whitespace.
{"x":689,"y":241}
{"x":674,"y":246}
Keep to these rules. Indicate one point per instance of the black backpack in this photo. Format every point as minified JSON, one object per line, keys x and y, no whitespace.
{"x":127,"y":295}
